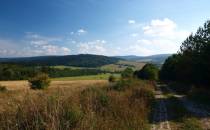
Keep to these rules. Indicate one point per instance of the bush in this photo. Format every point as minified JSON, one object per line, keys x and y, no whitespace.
{"x":40,"y":81}
{"x":148,"y":72}
{"x":127,"y":73}
{"x":112,"y":78}
{"x":3,"y":88}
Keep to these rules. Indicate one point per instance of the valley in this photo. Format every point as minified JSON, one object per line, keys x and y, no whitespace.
{"x":104,"y":65}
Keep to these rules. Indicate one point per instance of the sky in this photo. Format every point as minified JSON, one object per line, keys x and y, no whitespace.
{"x":102,"y":27}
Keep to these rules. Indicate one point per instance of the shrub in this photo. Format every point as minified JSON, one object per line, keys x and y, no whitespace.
{"x":148,"y":72}
{"x":3,"y":88}
{"x":40,"y":81}
{"x":112,"y":78}
{"x":127,"y":73}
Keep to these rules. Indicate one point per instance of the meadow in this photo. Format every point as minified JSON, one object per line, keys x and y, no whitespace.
{"x":88,"y":77}
{"x":77,"y":105}
{"x":115,"y":67}
{"x":122,"y":65}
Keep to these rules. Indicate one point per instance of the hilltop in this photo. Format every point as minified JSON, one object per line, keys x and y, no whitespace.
{"x":156,"y":59}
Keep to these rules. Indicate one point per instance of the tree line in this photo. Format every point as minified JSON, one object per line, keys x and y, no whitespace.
{"x":82,"y":60}
{"x":22,"y":72}
{"x":192,"y":62}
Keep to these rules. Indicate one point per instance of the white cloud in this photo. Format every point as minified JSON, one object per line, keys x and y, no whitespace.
{"x":41,"y":45}
{"x":33,"y":45}
{"x":38,"y":42}
{"x":54,"y":50}
{"x":92,"y":47}
{"x":165,"y":28}
{"x":131,"y":21}
{"x":159,"y":36}
{"x":156,"y":46}
{"x":81,"y":31}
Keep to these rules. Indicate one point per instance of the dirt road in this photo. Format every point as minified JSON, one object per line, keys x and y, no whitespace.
{"x":160,"y":116}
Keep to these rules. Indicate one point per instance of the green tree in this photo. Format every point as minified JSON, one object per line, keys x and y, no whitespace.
{"x":8,"y":74}
{"x":168,"y":69}
{"x":149,"y":72}
{"x":127,"y":73}
{"x":192,"y":63}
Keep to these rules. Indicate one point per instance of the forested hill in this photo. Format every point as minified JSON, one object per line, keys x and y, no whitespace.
{"x":82,"y":60}
{"x":156,"y":59}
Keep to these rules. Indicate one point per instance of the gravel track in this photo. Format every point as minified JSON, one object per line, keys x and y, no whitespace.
{"x":160,"y":117}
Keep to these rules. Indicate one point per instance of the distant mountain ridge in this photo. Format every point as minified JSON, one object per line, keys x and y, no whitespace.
{"x":156,"y":59}
{"x":81,"y":60}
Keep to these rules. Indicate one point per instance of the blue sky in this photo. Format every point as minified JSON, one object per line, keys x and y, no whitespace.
{"x":106,"y":27}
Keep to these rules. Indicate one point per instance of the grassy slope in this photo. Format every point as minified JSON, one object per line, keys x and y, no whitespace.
{"x":70,"y":67}
{"x":121,"y":65}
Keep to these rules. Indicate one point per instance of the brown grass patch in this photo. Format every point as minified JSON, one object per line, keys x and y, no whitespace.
{"x":77,"y":84}
{"x":95,"y":106}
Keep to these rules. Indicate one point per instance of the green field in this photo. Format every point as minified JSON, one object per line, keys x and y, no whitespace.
{"x":117,"y":67}
{"x":121,"y":65}
{"x":89,"y":77}
{"x":69,"y":67}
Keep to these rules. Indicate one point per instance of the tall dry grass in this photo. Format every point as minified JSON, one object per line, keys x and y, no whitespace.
{"x":93,"y":108}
